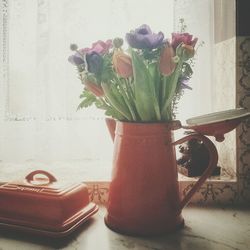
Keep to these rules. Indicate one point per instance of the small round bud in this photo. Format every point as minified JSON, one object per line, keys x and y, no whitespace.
{"x":118,"y":42}
{"x":73,"y":46}
{"x":176,"y":59}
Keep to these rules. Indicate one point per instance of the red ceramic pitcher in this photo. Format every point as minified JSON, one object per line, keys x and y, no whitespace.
{"x":144,"y":192}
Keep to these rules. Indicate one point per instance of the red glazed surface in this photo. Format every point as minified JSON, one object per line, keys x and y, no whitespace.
{"x":219,"y":123}
{"x":44,"y":203}
{"x":217,"y":129}
{"x":144,"y":192}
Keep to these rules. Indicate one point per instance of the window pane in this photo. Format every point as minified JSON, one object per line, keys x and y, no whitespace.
{"x":42,"y":92}
{"x":214,"y":80}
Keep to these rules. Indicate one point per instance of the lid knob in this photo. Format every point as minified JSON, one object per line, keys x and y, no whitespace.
{"x":49,"y":178}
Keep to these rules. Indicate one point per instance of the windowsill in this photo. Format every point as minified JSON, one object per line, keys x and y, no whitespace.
{"x":224,"y":178}
{"x":79,"y":171}
{"x":205,"y":228}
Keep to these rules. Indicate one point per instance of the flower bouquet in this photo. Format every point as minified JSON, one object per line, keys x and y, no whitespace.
{"x":141,"y":84}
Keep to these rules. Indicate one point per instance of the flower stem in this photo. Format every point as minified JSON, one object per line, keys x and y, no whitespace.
{"x":173,"y":81}
{"x":107,"y":106}
{"x":113,"y":100}
{"x":129,"y":88}
{"x":126,"y":98}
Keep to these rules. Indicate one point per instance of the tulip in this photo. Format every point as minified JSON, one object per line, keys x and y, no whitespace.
{"x":185,"y":51}
{"x":144,"y":38}
{"x":94,"y":88}
{"x":122,"y":64}
{"x":167,"y":64}
{"x":188,"y":51}
{"x":186,"y":38}
{"x":94,"y":63}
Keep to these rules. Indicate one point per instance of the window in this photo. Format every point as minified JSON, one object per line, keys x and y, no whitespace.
{"x":39,"y":90}
{"x":229,"y":56}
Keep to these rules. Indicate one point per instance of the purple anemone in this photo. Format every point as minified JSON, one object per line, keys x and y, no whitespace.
{"x":76,"y":59}
{"x":184,"y":83}
{"x":144,"y":38}
{"x":94,"y":62}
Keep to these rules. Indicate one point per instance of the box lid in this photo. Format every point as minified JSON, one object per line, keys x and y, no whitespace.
{"x":41,"y":202}
{"x":39,"y":183}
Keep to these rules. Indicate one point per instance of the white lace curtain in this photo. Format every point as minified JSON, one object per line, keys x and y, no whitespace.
{"x":39,"y":89}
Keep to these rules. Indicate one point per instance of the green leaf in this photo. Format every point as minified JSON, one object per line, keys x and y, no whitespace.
{"x":109,"y":111}
{"x":116,"y":100}
{"x":107,"y":73}
{"x":155,"y":75}
{"x":145,"y":97}
{"x":170,"y":90}
{"x":167,"y":86}
{"x":88,"y":100}
{"x":187,"y":70}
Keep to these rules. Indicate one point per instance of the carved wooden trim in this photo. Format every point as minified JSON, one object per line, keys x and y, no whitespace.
{"x":243,"y":132}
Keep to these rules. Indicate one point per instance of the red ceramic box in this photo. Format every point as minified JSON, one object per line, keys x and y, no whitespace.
{"x":43,"y":205}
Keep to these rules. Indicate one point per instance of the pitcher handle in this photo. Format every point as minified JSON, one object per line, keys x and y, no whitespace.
{"x":213,"y":159}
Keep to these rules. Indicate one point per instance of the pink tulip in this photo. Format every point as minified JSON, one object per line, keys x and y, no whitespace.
{"x":122,"y":64}
{"x":94,"y":88}
{"x":167,"y":64}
